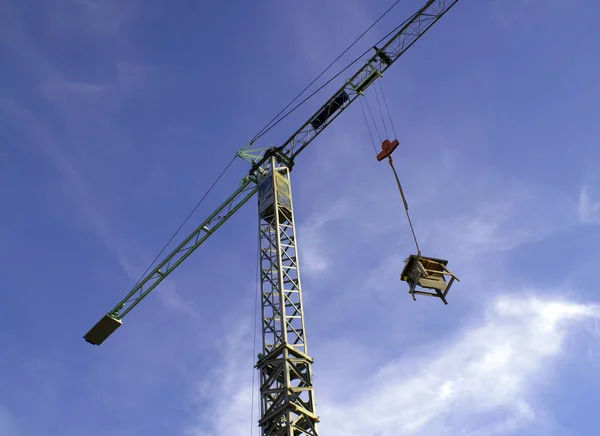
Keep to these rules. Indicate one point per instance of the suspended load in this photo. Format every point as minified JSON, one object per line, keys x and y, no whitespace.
{"x":428,"y":273}
{"x":419,"y":271}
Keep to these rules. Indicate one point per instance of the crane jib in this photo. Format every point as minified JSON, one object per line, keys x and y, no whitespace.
{"x":395,"y":45}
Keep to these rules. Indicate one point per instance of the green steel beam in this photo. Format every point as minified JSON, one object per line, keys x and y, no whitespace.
{"x":112,"y":320}
{"x":251,"y":155}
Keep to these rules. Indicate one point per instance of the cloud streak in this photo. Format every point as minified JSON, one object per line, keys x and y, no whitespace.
{"x":588,"y":209}
{"x":174,"y":301}
{"x":480,"y":381}
{"x":222,"y":401}
{"x":7,"y":427}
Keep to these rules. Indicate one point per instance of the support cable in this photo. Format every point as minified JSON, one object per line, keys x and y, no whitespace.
{"x":368,"y":125}
{"x":381,"y":113}
{"x":405,"y":204}
{"x":186,"y":220}
{"x":388,"y":109}
{"x":373,"y":118}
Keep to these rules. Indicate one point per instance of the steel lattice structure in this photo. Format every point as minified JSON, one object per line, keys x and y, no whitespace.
{"x":286,"y":386}
{"x":287,"y":392}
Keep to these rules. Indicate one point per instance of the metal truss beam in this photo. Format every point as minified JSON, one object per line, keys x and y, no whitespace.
{"x":409,"y":33}
{"x":287,"y":392}
{"x":108,"y":324}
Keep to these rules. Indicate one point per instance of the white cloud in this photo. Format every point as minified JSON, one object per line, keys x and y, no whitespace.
{"x":223,"y":398}
{"x":314,"y":248}
{"x":480,"y":381}
{"x":502,"y":217}
{"x":77,"y":187}
{"x":588,"y":209}
{"x":7,"y":426}
{"x":169,"y":296}
{"x":45,"y":143}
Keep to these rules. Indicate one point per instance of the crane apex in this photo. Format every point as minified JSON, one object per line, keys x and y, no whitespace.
{"x":102,"y":330}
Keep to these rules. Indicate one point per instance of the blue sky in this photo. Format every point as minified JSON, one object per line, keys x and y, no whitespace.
{"x":116,"y":116}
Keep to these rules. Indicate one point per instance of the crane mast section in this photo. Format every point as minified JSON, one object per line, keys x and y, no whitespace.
{"x":244,"y":193}
{"x":286,"y":381}
{"x":374,"y":68}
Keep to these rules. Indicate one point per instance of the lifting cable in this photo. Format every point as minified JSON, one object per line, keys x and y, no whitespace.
{"x":258,"y":290}
{"x":389,"y":156}
{"x":405,"y":204}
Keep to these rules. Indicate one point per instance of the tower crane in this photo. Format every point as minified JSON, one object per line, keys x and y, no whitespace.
{"x":285,"y":366}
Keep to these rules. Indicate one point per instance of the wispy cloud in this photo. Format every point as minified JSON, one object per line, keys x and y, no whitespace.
{"x":173,"y":300}
{"x":505,"y":216}
{"x":103,"y":17}
{"x":588,"y":209}
{"x":480,"y":381}
{"x":128,"y":77}
{"x":76,"y":187}
{"x":7,"y":426}
{"x":76,"y":102}
{"x":222,"y":401}
{"x":30,"y":117}
{"x":316,"y":251}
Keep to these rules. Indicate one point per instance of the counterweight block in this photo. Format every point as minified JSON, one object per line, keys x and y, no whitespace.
{"x":102,"y":330}
{"x":428,"y":273}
